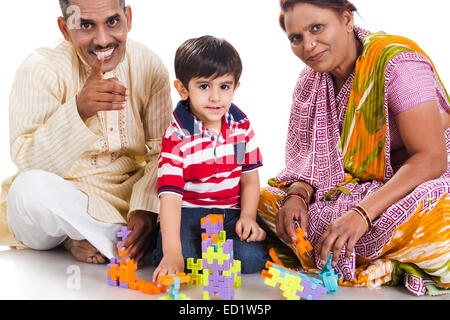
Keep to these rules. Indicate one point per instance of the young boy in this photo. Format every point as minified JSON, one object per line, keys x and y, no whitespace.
{"x":208,"y":162}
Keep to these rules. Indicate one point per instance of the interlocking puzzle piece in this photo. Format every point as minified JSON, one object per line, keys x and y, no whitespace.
{"x":294,"y":285}
{"x":271,"y":276}
{"x":311,"y":291}
{"x":290,"y":284}
{"x":195,"y":276}
{"x":126,"y":273}
{"x":147,"y":287}
{"x":302,"y":244}
{"x":222,"y":237}
{"x":113,"y":272}
{"x":174,"y":281}
{"x":123,"y":234}
{"x":236,"y":271}
{"x":274,"y":257}
{"x":212,"y":223}
{"x":169,"y":279}
{"x":210,"y":255}
{"x":219,"y":285}
{"x":122,"y":254}
{"x":329,"y":276}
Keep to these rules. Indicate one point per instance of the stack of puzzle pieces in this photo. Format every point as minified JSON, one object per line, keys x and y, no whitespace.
{"x":121,"y":273}
{"x":295,"y":285}
{"x":217,"y":271}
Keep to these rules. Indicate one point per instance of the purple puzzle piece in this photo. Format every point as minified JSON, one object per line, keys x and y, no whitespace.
{"x":111,"y":282}
{"x":311,"y":291}
{"x":212,"y":228}
{"x":205,"y":244}
{"x":123,"y":233}
{"x":227,"y":247}
{"x":225,"y":290}
{"x":215,"y":266}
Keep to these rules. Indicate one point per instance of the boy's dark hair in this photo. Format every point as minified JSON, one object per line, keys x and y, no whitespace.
{"x":205,"y":57}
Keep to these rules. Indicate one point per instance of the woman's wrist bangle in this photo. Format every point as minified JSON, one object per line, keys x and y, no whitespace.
{"x":296,"y":195}
{"x":307,"y":198}
{"x":363,"y":213}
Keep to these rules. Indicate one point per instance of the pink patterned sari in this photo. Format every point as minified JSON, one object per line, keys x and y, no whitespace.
{"x":313,"y":156}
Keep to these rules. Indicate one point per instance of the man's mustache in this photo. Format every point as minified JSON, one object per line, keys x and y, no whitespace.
{"x":109,"y":46}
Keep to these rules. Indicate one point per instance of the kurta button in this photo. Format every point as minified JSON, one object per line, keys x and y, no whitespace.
{"x":111,"y":129}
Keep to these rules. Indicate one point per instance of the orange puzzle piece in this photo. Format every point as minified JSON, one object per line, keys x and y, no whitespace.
{"x":169,"y":279}
{"x":213,"y":218}
{"x":302,"y":244}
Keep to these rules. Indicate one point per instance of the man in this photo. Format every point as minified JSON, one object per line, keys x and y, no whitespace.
{"x":86,"y":121}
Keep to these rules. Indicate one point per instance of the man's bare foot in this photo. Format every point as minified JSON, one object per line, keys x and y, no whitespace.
{"x":83,"y":251}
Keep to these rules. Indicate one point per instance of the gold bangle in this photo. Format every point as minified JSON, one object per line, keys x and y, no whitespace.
{"x":307,"y":193}
{"x":297,"y":196}
{"x":362,"y":216}
{"x":366,"y":215}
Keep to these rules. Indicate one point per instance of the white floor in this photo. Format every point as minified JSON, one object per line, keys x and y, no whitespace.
{"x":55,"y":275}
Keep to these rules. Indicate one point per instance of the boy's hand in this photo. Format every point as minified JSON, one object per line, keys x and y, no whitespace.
{"x":141,"y":225}
{"x":248,"y":230}
{"x":170,"y":264}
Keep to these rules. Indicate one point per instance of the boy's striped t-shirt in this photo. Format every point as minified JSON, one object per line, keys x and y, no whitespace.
{"x":203,"y":167}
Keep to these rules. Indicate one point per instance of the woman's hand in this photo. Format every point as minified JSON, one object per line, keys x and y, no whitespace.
{"x":346,"y":230}
{"x":293,"y":209}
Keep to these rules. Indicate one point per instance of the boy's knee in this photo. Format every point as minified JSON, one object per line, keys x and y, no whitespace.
{"x":253,"y":256}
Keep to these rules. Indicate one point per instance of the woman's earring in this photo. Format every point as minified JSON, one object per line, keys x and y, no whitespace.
{"x":351,"y":28}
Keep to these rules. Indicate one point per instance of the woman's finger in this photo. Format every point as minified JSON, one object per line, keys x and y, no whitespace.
{"x":337,"y":249}
{"x":326,"y":244}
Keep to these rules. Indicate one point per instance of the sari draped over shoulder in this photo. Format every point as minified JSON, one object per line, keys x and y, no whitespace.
{"x":340,"y":145}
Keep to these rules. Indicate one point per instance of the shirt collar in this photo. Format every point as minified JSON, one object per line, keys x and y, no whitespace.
{"x":190,"y":125}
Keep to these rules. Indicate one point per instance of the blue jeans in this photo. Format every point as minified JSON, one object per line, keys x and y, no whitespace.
{"x":253,"y":255}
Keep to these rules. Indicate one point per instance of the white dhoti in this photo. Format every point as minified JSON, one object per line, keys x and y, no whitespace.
{"x":43,"y":210}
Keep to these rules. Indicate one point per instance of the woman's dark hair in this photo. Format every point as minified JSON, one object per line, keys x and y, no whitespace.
{"x":205,"y":57}
{"x":339,"y":6}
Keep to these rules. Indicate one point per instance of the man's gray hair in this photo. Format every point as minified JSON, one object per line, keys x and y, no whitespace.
{"x":64,"y":4}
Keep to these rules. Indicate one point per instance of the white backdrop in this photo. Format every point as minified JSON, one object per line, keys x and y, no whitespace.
{"x":270,"y":68}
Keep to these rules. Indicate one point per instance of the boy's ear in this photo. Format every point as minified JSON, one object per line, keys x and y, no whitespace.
{"x":237,"y":85}
{"x":182,"y":91}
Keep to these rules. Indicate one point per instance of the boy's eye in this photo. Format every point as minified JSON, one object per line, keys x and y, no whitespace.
{"x":225,"y":87}
{"x":204,"y":86}
{"x":317,"y":28}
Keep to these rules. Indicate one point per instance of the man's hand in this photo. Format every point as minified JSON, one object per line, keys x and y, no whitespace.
{"x":99,"y":94}
{"x":141,"y":225}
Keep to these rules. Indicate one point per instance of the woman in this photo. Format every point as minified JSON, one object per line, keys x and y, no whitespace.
{"x":366,"y":172}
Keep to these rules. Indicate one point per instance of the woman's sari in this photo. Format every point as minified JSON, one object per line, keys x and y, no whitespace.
{"x":340,"y":145}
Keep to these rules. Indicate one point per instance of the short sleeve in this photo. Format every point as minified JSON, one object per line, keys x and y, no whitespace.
{"x":253,"y":158}
{"x":411,"y":83}
{"x":170,"y":166}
